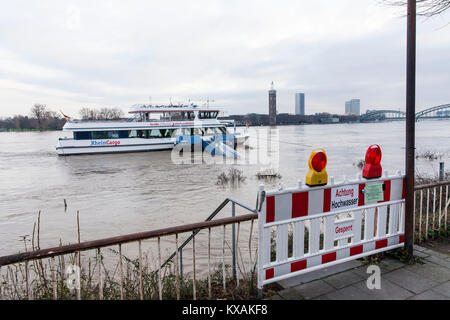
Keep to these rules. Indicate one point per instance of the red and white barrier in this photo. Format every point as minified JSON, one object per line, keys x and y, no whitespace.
{"x":335,"y":220}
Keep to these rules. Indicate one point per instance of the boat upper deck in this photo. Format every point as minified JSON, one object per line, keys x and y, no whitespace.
{"x":143,"y":108}
{"x":147,"y":116}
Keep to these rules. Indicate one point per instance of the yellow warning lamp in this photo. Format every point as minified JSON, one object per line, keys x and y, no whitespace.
{"x":317,"y":175}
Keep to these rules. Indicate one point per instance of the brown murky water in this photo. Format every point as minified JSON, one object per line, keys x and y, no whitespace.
{"x":124,"y":193}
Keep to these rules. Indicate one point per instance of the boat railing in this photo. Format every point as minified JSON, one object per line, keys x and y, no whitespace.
{"x":133,"y":119}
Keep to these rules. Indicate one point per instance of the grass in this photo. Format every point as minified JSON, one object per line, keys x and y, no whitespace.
{"x":268,"y":174}
{"x":35,"y":279}
{"x":14,"y":283}
{"x":428,"y":155}
{"x":360,"y":164}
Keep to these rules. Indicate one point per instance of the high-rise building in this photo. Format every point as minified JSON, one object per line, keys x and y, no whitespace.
{"x":272,"y":106}
{"x":300,"y":103}
{"x":352,"y":107}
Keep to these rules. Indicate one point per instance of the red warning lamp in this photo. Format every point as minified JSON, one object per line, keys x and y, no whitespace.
{"x":372,"y":169}
{"x":319,"y":161}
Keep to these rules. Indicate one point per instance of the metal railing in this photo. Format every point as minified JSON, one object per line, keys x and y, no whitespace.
{"x":36,"y":257}
{"x":431,"y":207}
{"x":234,"y":202}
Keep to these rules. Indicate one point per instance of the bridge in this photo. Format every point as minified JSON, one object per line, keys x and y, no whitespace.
{"x":438,"y":112}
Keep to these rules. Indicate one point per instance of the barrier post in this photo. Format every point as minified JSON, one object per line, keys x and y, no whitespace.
{"x":260,"y":241}
{"x":233,"y":240}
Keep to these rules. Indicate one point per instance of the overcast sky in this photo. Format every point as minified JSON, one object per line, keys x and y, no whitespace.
{"x":70,"y":55}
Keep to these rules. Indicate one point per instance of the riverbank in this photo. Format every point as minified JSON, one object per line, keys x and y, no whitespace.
{"x":27,"y":130}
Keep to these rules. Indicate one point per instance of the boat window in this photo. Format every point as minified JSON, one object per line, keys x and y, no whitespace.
{"x":198,"y":131}
{"x":166,"y":133}
{"x":99,"y":134}
{"x":212,"y":131}
{"x":82,"y":135}
{"x":186,"y":131}
{"x":112,"y":134}
{"x":132,"y":134}
{"x":154,"y":133}
{"x":207,"y":114}
{"x":123,"y":134}
{"x":176,"y":115}
{"x":141,"y":133}
{"x":223,"y":130}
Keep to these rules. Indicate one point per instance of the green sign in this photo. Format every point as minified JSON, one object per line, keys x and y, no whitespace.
{"x":373,"y":192}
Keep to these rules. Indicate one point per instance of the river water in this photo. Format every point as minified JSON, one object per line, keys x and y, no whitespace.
{"x":131,"y":192}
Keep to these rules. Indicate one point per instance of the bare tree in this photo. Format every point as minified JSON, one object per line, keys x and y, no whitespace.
{"x":111,"y":113}
{"x":88,"y":114}
{"x":40,"y":118}
{"x":426,"y":8}
{"x":102,"y":114}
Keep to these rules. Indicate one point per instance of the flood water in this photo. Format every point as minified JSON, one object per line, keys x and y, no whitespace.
{"x":132,"y":192}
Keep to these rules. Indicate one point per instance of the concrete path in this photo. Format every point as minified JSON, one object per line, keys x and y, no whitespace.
{"x":427,"y":281}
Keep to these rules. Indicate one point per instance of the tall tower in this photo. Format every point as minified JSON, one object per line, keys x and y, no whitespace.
{"x":353,"y":107}
{"x":300,"y":103}
{"x":272,"y":106}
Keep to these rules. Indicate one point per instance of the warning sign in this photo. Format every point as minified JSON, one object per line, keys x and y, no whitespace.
{"x":344,"y":197}
{"x":373,"y":192}
{"x":343,"y":229}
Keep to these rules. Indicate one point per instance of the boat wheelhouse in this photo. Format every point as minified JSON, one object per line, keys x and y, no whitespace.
{"x":150,"y":128}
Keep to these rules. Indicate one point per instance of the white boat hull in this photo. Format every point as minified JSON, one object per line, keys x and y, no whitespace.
{"x":67,"y":147}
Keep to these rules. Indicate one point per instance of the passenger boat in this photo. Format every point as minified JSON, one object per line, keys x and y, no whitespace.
{"x":150,"y":128}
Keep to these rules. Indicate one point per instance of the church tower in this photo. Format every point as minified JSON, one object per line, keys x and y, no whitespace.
{"x":272,"y":106}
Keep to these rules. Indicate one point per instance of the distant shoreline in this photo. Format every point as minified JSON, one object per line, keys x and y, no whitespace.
{"x":27,"y":130}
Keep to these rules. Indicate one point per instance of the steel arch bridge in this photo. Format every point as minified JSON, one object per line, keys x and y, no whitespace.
{"x":442,"y":111}
{"x":438,"y":112}
{"x":383,"y":115}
